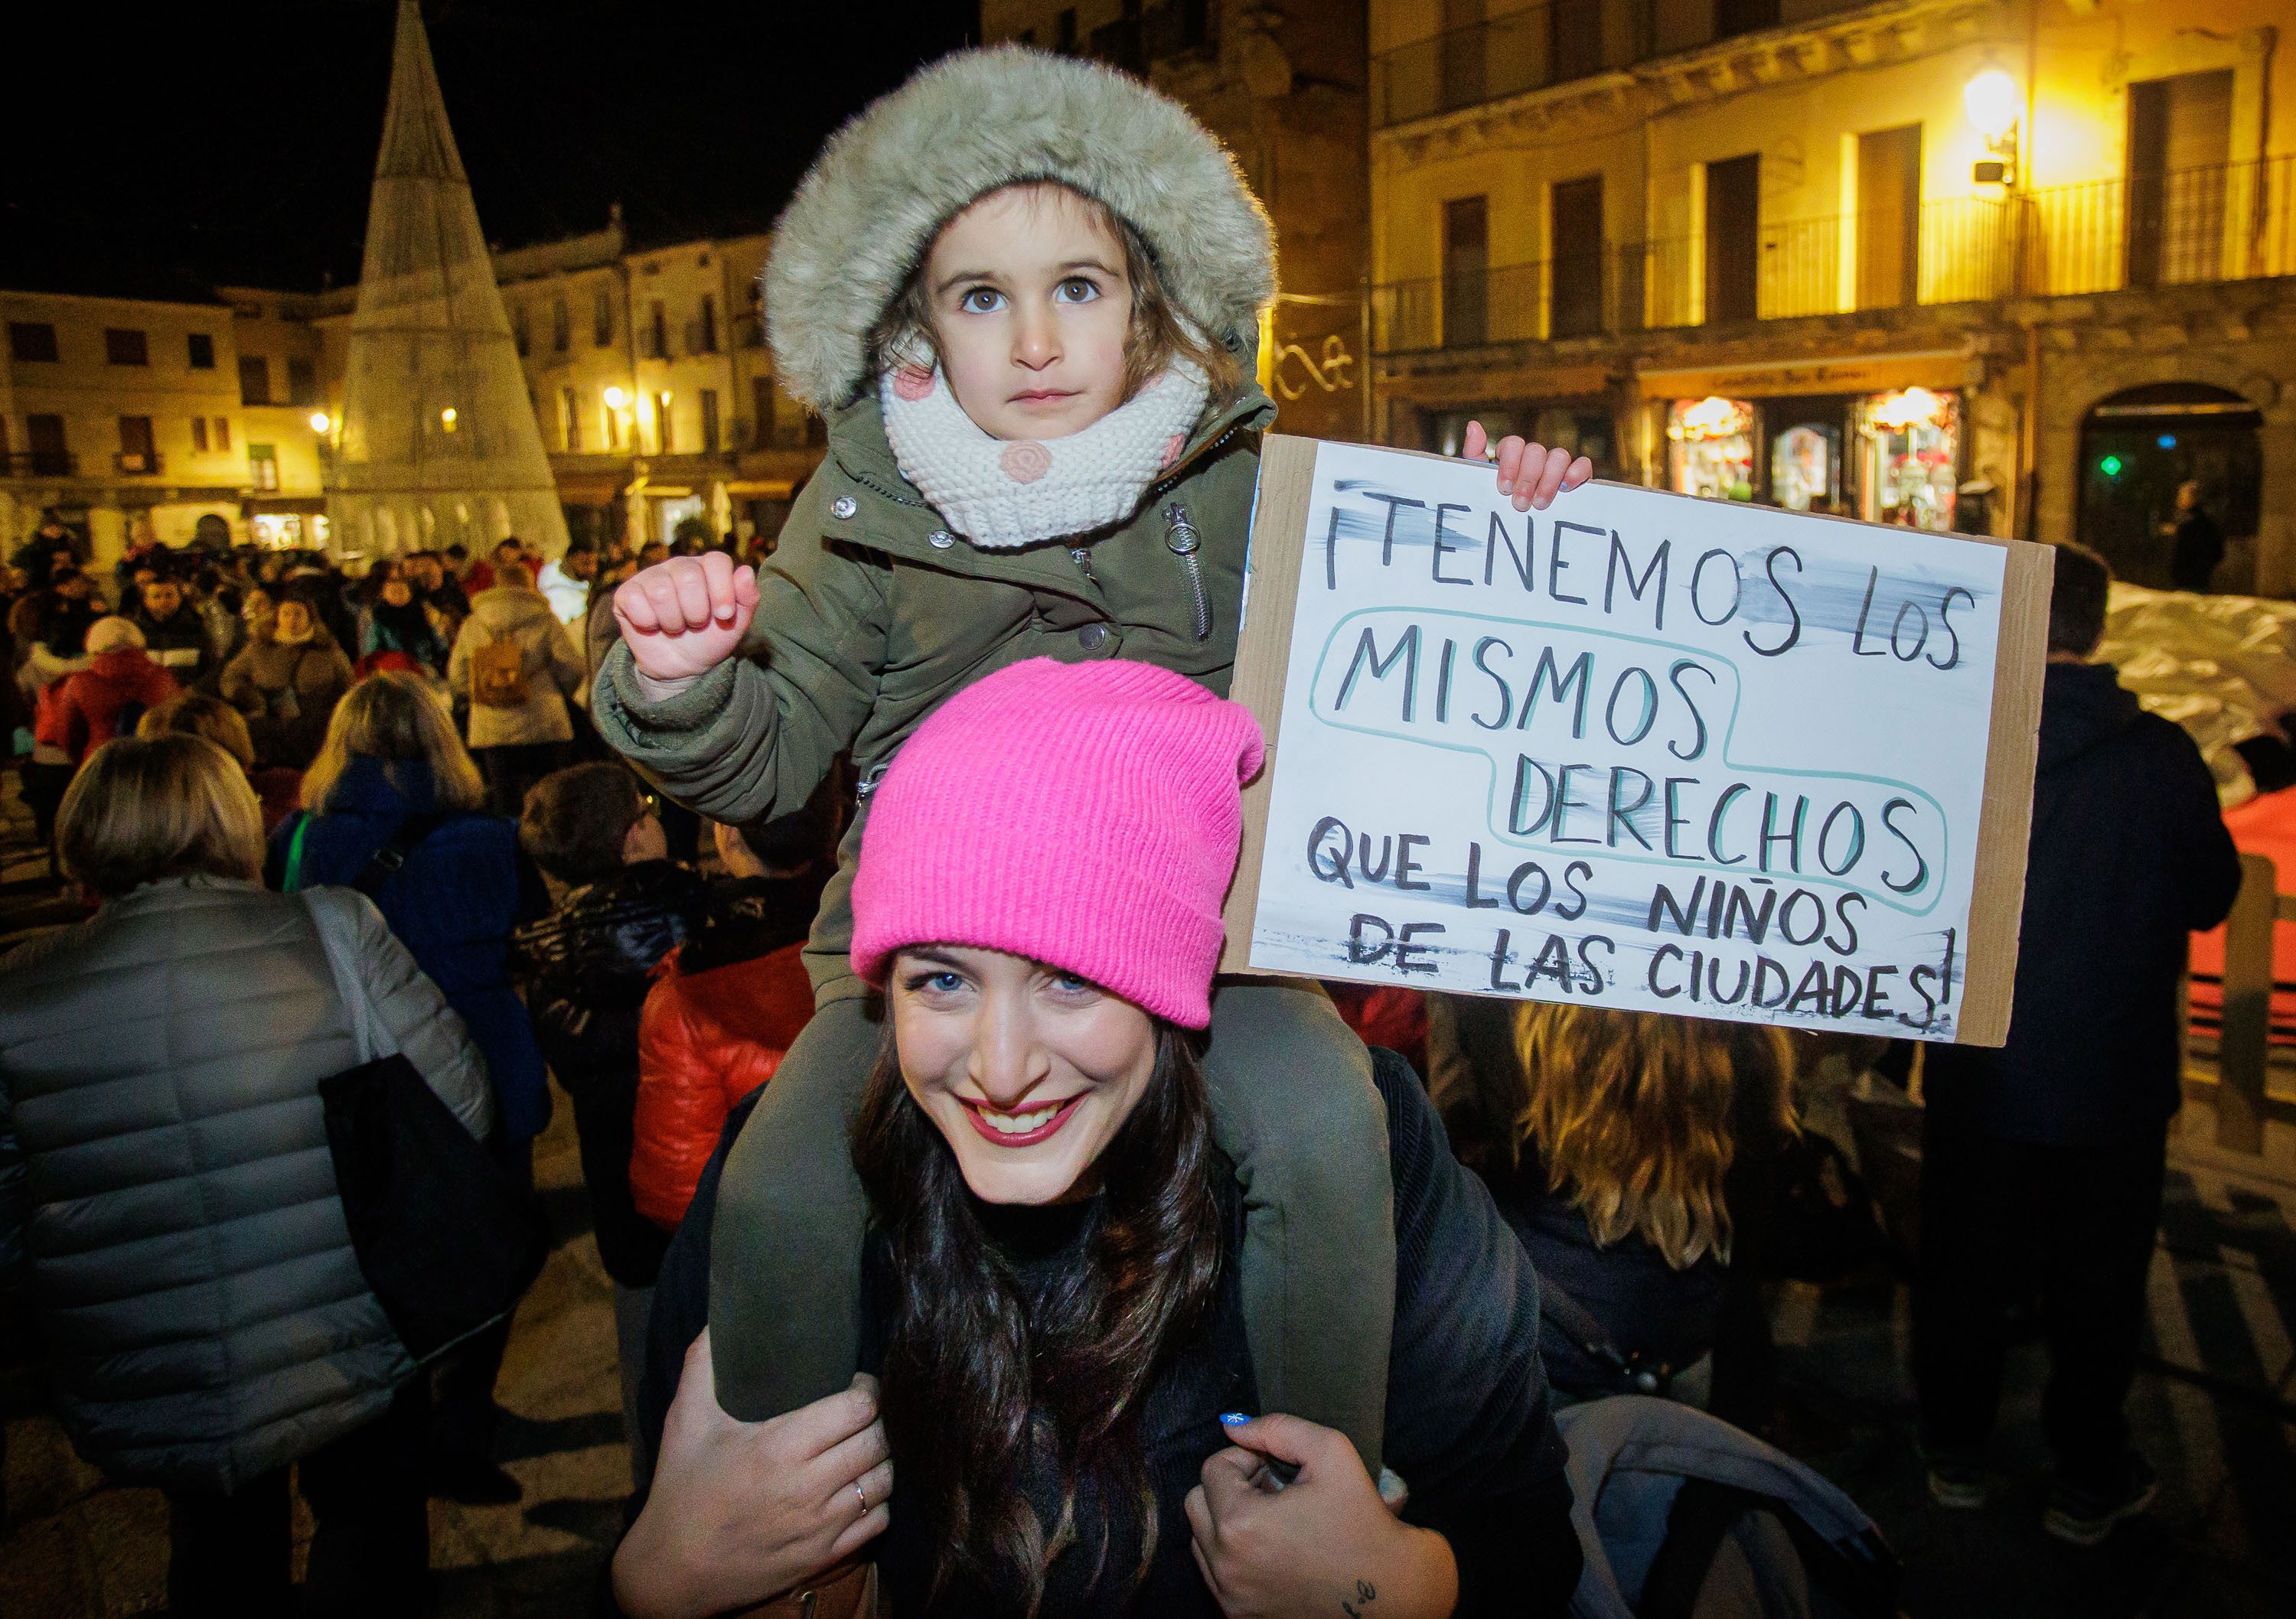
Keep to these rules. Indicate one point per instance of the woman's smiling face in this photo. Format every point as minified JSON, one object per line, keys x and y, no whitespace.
{"x":1027,"y":1070}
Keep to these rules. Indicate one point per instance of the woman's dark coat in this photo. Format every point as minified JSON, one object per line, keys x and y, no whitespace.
{"x":1468,"y":1425}
{"x":166,"y":1189}
{"x":455,"y":904}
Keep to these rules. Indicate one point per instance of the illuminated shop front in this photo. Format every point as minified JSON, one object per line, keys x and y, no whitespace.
{"x":1710,"y":448}
{"x":1884,"y":454}
{"x":1909,"y":454}
{"x":288,"y":523}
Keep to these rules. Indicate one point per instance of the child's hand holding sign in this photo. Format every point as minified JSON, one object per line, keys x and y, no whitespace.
{"x":1532,"y":475}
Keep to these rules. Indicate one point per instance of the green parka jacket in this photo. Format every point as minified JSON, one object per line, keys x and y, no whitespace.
{"x":871,"y":612}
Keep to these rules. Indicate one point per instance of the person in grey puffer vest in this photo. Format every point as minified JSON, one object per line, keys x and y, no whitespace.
{"x":168,"y":1203}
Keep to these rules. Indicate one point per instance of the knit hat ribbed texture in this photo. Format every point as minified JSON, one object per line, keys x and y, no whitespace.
{"x":1084,"y":815}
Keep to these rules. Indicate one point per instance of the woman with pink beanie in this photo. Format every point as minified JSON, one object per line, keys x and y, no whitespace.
{"x":1059,"y":1413}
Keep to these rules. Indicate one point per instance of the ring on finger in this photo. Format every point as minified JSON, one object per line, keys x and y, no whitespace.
{"x":862,"y":1495}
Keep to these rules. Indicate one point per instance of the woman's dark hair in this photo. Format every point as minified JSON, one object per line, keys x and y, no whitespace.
{"x":974,"y":1389}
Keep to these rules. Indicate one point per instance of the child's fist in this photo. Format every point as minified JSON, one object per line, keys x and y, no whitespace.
{"x":685,"y":616}
{"x":1532,"y":473}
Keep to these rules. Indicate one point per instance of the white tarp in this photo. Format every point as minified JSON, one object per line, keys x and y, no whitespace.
{"x":2224,"y":667}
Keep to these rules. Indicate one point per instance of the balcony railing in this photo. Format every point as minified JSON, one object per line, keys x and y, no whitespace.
{"x":1171,"y":30}
{"x":39,"y":463}
{"x":1485,"y":61}
{"x":143,"y":463}
{"x":2232,"y":222}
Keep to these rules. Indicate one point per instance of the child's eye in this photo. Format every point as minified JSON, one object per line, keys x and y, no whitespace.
{"x":982,"y":301}
{"x":1077,"y":290}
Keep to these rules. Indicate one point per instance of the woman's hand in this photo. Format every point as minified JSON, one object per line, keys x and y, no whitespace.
{"x":685,"y":616}
{"x":741,"y":1511}
{"x":1532,"y":473}
{"x":1324,"y":1544}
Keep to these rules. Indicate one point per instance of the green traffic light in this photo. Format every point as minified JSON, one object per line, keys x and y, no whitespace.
{"x":2109,"y":466}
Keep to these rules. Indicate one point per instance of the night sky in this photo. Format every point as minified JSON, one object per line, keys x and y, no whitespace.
{"x":157,"y":149}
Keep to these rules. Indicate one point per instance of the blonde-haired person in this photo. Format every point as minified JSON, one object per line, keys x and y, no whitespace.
{"x":394,"y":806}
{"x":1624,"y":1152}
{"x":232,"y":1334}
{"x":196,"y":714}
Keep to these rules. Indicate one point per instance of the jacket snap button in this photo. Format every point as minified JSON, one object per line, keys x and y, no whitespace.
{"x":843,"y":506}
{"x":1093,"y":637}
{"x":939,"y":539}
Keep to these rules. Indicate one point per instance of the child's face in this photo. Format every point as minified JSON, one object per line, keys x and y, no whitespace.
{"x":1031,"y":308}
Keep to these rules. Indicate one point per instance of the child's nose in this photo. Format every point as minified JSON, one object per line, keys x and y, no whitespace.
{"x":1037,"y":340}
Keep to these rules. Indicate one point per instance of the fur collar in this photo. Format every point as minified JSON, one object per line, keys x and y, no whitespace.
{"x":886,"y":182}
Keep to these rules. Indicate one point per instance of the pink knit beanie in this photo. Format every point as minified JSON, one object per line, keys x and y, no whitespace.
{"x":1085,"y":815}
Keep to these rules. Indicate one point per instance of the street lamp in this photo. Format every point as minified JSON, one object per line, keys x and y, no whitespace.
{"x":320,"y":421}
{"x":1994,"y":105}
{"x":616,"y":398}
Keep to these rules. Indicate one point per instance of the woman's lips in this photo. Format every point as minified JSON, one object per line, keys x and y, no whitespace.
{"x":1028,"y":1138}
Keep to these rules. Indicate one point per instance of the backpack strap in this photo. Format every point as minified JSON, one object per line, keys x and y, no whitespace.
{"x":1630,"y":1372}
{"x":290,"y":879}
{"x":385,"y":863}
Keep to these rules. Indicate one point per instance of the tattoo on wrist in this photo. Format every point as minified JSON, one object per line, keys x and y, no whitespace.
{"x":1366,"y":1593}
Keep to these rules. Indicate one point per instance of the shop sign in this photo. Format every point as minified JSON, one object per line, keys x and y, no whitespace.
{"x":1638,"y":749}
{"x":1875,"y":374}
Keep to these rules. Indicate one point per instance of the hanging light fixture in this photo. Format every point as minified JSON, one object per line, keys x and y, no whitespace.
{"x":1712,"y":417}
{"x":1993,"y":104}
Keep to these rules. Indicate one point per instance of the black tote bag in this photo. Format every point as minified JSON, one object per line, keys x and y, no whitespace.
{"x":445,"y":1237}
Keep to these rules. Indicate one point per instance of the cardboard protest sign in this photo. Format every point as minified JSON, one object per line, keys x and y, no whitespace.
{"x":1664,"y":754}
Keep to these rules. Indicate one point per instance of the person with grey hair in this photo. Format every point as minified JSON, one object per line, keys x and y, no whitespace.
{"x":2042,"y":1162}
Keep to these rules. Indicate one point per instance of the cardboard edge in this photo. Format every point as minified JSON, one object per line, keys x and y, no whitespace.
{"x":1997,"y":901}
{"x":1263,"y":658}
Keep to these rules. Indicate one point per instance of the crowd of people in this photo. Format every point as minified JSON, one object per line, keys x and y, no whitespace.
{"x":974,"y":1247}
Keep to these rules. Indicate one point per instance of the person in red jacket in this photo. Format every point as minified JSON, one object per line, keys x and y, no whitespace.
{"x":86,"y":710}
{"x":728,"y":1003}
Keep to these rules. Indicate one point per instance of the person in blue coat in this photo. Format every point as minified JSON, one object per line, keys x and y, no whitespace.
{"x":394,"y":806}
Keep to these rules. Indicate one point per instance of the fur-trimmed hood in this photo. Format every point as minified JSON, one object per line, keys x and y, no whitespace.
{"x":886,"y":182}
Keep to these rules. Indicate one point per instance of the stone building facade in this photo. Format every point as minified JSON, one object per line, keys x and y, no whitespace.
{"x":652,"y":384}
{"x":136,"y":418}
{"x":2022,"y":265}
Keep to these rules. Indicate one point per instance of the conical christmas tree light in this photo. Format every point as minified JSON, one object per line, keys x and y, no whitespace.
{"x":438,"y":440}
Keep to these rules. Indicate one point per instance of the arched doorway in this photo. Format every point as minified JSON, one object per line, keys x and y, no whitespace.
{"x":2137,"y":446}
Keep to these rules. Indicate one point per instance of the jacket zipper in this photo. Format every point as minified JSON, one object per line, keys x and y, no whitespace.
{"x":1181,"y":536}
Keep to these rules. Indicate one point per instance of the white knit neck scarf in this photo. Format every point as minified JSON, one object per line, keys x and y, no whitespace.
{"x":1003,"y":492}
